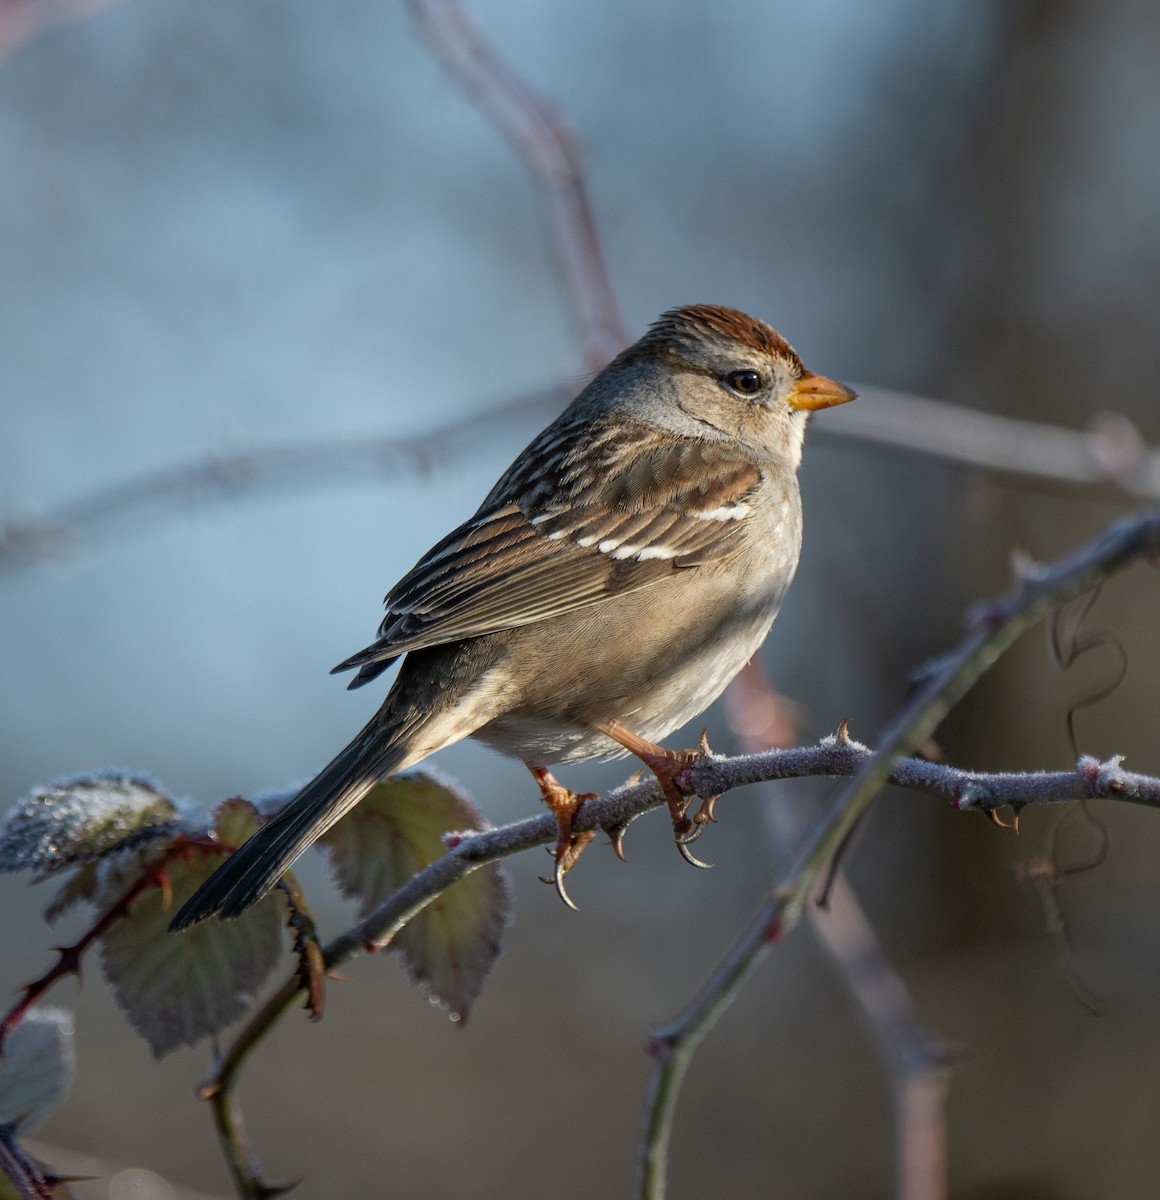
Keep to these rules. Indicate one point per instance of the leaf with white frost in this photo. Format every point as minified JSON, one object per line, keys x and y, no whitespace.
{"x":83,"y":818}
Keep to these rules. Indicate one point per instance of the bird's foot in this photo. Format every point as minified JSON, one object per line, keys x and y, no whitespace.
{"x":564,"y":804}
{"x":669,"y":766}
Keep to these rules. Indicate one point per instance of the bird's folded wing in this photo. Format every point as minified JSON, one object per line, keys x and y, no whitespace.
{"x":580,"y":537}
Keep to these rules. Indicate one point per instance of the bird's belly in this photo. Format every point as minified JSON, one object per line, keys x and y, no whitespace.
{"x":657,"y":689}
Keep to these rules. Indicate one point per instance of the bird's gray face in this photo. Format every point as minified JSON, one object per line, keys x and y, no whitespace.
{"x":762,"y":398}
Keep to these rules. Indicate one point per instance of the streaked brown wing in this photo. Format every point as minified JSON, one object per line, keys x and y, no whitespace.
{"x":653,"y":505}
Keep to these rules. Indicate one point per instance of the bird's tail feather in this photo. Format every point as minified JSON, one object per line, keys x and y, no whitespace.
{"x":256,"y":866}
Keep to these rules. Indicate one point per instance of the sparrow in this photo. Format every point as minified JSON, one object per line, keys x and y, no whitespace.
{"x":624,"y":568}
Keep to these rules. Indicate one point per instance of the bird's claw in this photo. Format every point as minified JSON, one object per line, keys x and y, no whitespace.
{"x":690,"y":857}
{"x":569,"y":847}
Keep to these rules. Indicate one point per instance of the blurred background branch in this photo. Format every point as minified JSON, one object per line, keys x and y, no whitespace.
{"x":918,"y":1066}
{"x":1108,"y":463}
{"x":547,"y":148}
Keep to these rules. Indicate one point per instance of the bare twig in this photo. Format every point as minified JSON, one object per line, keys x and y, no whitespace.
{"x":1109,"y":460}
{"x":240,"y":1157}
{"x":545,"y":145}
{"x":994,"y":627}
{"x":203,"y":481}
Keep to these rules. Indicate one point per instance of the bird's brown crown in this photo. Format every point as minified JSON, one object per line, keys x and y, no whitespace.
{"x":680,"y":327}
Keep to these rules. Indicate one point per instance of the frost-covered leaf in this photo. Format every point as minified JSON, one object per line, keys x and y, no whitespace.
{"x":82,"y":818}
{"x":393,"y":833}
{"x":179,"y":988}
{"x":80,"y":886}
{"x":36,"y":1069}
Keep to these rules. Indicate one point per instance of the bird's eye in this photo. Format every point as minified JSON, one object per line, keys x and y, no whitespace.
{"x":746,"y":383}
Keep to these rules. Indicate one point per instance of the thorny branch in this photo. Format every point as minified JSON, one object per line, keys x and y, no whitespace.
{"x":154,"y":874}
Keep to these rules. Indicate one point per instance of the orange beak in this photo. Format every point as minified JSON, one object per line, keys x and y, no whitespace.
{"x":816,"y":391}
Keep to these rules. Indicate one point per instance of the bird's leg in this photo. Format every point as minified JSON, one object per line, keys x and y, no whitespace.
{"x":565,"y":804}
{"x":668,"y":766}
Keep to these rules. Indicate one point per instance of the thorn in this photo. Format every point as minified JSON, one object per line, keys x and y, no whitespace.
{"x":337,"y":976}
{"x":995,"y":819}
{"x":616,"y":839}
{"x":705,"y":813}
{"x":843,"y":734}
{"x":705,"y":750}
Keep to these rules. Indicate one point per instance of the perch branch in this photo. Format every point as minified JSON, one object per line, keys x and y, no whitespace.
{"x":833,"y":756}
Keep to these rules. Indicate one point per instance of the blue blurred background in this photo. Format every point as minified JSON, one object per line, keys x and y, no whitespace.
{"x":226,"y":226}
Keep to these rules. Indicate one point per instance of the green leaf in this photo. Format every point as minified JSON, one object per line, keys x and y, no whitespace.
{"x":235,"y":821}
{"x":36,"y":1069}
{"x":81,"y":819}
{"x":176,"y":989}
{"x":395,"y":832}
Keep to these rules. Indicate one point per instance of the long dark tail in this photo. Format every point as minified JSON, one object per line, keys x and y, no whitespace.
{"x":256,"y":866}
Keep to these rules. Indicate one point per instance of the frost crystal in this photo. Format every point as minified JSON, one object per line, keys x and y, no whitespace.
{"x":83,"y":818}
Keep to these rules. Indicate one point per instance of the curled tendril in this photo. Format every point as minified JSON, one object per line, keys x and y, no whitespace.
{"x":1069,"y":644}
